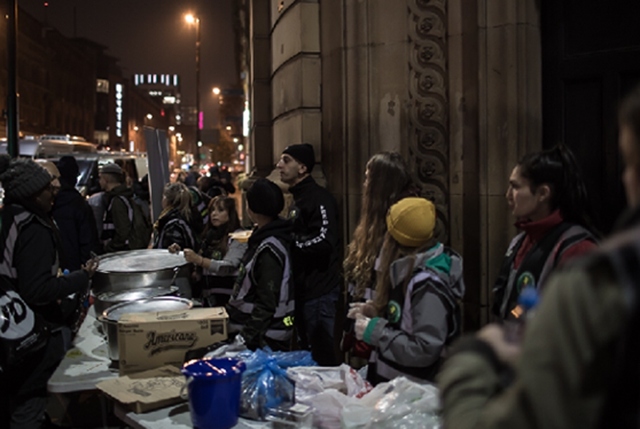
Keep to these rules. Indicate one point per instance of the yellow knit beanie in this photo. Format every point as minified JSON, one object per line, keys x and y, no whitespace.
{"x":411,"y":221}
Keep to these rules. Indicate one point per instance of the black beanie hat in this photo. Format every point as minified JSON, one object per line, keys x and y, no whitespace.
{"x":68,"y":167}
{"x":302,"y":153}
{"x":265,"y":197}
{"x":22,"y":178}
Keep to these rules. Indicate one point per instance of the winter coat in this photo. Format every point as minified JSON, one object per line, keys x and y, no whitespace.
{"x":569,"y":354}
{"x":31,"y":261}
{"x":116,"y":225}
{"x":420,"y":320}
{"x":267,"y":278}
{"x":171,"y":228}
{"x":78,"y":231}
{"x":316,"y":247}
{"x":533,"y":254}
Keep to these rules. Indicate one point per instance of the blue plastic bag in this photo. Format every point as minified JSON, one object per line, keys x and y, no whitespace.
{"x":265,"y":384}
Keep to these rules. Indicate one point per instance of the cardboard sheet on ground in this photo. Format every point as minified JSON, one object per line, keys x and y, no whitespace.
{"x":146,"y":391}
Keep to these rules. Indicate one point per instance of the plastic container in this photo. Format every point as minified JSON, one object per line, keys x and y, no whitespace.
{"x":297,"y":416}
{"x":515,"y":324}
{"x":213,"y":387}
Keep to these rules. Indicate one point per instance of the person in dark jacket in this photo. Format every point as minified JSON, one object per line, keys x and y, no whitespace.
{"x":74,"y":217}
{"x":30,"y":261}
{"x":117,"y":221}
{"x":315,"y":254}
{"x":577,"y":366}
{"x":262,"y":306}
{"x":174,"y":223}
{"x":549,"y":200}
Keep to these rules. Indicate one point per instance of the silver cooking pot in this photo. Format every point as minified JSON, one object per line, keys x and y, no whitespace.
{"x":111,"y":315}
{"x":111,"y":298}
{"x":133,"y":269}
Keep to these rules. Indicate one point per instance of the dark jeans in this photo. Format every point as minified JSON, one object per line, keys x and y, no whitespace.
{"x":315,"y":320}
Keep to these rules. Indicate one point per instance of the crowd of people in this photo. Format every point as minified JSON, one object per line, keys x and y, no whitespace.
{"x":282,"y":285}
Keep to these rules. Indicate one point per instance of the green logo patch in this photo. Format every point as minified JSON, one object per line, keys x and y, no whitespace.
{"x":394,"y":310}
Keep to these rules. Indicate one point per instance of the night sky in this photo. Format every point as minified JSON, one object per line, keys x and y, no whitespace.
{"x":151,"y":36}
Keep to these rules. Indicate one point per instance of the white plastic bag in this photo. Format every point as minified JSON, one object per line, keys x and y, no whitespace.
{"x":398,"y":404}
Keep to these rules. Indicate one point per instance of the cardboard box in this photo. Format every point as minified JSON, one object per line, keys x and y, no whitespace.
{"x":146,"y":391}
{"x":151,"y":340}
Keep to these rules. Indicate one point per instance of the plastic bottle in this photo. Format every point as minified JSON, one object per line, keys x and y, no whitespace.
{"x":515,"y":324}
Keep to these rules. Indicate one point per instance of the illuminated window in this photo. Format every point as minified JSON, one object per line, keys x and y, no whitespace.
{"x":102,"y":85}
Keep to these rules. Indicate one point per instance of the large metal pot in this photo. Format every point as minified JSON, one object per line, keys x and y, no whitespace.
{"x":110,"y":316}
{"x":133,"y":269}
{"x":111,"y":298}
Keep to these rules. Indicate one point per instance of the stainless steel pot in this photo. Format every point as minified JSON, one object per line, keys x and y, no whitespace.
{"x":134,"y":269}
{"x":110,"y":316}
{"x":109,"y":299}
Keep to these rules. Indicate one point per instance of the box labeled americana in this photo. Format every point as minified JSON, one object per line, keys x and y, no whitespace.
{"x":151,"y":340}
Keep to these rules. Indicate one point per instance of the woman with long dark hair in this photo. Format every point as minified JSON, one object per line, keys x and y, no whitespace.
{"x":548,"y":198}
{"x":220,"y":254}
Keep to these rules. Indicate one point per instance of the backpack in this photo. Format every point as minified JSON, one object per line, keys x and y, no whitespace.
{"x":141,"y":227}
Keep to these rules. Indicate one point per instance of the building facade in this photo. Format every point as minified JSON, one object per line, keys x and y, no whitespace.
{"x":456,"y":86}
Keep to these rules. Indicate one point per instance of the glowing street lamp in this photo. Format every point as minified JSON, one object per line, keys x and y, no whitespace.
{"x":194,"y":20}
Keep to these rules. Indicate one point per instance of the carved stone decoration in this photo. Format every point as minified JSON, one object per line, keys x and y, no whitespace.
{"x":429,"y":104}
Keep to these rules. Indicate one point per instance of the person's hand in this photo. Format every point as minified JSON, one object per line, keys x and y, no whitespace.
{"x":361,"y":325}
{"x":192,"y":257}
{"x":363,"y":308}
{"x":493,"y":335}
{"x":174,"y":248}
{"x":91,"y":266}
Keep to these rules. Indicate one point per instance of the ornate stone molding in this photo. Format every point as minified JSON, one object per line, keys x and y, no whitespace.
{"x":429,"y":104}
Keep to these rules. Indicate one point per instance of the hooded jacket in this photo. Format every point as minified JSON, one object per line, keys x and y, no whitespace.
{"x":420,"y":321}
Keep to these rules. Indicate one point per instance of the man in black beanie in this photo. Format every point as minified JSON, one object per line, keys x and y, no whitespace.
{"x":316,"y":266}
{"x":261,"y":308}
{"x":74,"y":216}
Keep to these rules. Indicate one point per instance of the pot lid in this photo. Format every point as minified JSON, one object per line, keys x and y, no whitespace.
{"x":142,"y":260}
{"x":164,"y":303}
{"x":136,"y":294}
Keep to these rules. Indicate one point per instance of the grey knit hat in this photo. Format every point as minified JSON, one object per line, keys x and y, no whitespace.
{"x":22,"y":178}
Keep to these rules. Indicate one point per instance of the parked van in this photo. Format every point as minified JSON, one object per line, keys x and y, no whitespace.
{"x":49,"y":148}
{"x":134,"y":164}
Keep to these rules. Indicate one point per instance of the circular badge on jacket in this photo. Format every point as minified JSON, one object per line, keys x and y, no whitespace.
{"x":526,"y":279}
{"x":394,"y":310}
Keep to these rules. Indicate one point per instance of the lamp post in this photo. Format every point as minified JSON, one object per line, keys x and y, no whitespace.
{"x":191,"y":19}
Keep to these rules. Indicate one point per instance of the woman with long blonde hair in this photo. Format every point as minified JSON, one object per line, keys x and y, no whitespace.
{"x":174,"y":223}
{"x":387,"y":180}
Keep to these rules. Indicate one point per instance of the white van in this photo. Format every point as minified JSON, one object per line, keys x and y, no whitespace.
{"x":48,"y":148}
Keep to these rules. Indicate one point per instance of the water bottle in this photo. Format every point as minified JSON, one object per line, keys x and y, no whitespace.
{"x":517,"y":319}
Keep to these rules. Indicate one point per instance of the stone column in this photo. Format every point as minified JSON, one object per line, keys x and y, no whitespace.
{"x":295,"y":74}
{"x":494,"y":123}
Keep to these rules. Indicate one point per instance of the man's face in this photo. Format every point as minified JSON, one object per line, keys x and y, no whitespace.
{"x":291,"y":171}
{"x":103,"y":182}
{"x":631,"y":157}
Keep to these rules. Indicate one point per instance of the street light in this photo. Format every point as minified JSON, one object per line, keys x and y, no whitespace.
{"x":191,"y":19}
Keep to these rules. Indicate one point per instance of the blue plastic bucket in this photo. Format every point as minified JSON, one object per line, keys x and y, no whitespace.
{"x":213,"y":388}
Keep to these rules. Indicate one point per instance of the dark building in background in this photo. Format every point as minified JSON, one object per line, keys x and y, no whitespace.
{"x":55,"y":79}
{"x":72,"y":86}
